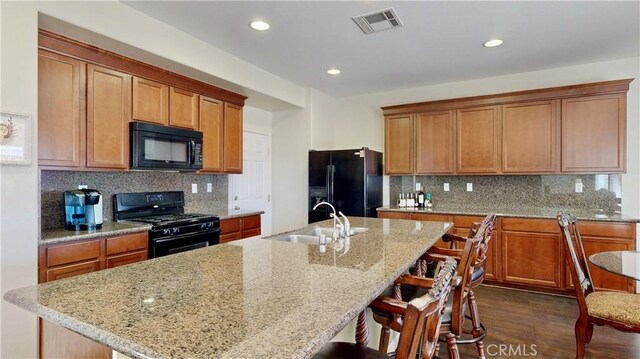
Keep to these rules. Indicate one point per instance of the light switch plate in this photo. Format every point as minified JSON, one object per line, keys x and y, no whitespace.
{"x":446,"y":187}
{"x":578,"y":186}
{"x":417,"y":186}
{"x":209,"y":187}
{"x":194,"y":188}
{"x":83,"y":186}
{"x":469,"y":187}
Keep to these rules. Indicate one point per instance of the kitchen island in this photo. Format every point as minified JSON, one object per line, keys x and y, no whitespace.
{"x":251,"y":298}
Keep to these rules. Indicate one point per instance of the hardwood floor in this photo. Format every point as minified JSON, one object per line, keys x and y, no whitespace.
{"x":522,"y":319}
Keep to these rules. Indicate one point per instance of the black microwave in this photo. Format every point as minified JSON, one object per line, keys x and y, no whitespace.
{"x":155,"y":147}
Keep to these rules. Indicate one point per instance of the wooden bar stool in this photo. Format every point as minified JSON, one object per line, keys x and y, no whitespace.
{"x":421,"y":321}
{"x":409,"y":286}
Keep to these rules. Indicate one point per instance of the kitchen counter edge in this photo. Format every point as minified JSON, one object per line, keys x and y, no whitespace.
{"x":519,"y":213}
{"x":54,"y":236}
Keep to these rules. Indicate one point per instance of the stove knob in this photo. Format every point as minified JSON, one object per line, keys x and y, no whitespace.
{"x":175,"y":230}
{"x":166,"y":232}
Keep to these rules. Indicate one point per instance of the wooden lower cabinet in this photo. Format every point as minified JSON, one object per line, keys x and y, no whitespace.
{"x":529,"y":253}
{"x":241,"y":227}
{"x":532,"y":258}
{"x":63,"y":260}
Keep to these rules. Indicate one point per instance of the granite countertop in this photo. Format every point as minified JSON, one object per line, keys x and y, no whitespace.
{"x":252,"y":298}
{"x":549,"y":213}
{"x":236,"y":213}
{"x":52,"y":236}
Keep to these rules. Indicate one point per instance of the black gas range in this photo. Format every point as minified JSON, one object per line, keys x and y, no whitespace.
{"x":172,"y":230}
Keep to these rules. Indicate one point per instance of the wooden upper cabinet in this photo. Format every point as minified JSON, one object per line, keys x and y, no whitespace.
{"x":530,"y":137}
{"x":150,"y":101}
{"x":108,"y":117}
{"x":232,"y":162}
{"x":477,"y":139}
{"x":183,"y":108}
{"x":398,"y":144}
{"x":212,"y":127}
{"x":435,"y":142}
{"x":61,"y":121}
{"x":594,"y":133}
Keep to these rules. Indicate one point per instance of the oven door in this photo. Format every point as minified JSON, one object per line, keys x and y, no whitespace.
{"x":162,"y":149}
{"x":175,"y":244}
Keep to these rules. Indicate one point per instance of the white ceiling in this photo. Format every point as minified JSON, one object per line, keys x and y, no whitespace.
{"x":439,"y":42}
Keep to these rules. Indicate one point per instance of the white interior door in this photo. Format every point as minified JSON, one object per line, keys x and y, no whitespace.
{"x":251,"y":191}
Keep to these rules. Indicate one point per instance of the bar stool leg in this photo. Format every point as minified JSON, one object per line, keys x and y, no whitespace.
{"x":362,"y":330}
{"x":477,"y":330}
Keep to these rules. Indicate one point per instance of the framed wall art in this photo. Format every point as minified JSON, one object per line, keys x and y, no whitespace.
{"x":15,"y":138}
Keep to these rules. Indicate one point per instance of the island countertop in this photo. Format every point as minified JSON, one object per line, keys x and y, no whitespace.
{"x":253,"y":298}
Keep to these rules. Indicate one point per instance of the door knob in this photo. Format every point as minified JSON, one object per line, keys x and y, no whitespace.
{"x":235,"y":198}
{"x":236,"y":207}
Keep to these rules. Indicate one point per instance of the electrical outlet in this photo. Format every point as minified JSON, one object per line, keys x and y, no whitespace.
{"x":194,"y":188}
{"x":446,"y":187}
{"x":578,"y":186}
{"x":83,"y":186}
{"x":209,"y":187}
{"x":417,"y":186}
{"x":469,"y":187}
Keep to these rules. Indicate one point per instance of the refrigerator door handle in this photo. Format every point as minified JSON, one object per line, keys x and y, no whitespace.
{"x":333,"y":170}
{"x":328,"y":182}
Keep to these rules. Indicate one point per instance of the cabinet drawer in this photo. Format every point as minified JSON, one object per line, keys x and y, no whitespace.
{"x":229,"y":226}
{"x":465,"y":221}
{"x":430,"y":217}
{"x":72,"y":270}
{"x":530,"y":225}
{"x":600,"y":229}
{"x":72,"y":253}
{"x":251,"y":222}
{"x":224,"y":238}
{"x":394,"y":215}
{"x":129,"y":258}
{"x":251,"y":233}
{"x":128,"y":243}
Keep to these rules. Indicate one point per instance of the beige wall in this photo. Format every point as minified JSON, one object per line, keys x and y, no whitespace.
{"x":19,"y":193}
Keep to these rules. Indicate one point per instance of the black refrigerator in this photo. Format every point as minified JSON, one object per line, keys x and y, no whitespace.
{"x":351,"y":180}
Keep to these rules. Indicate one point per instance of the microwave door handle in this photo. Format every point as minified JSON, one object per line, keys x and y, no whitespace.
{"x":192,"y":152}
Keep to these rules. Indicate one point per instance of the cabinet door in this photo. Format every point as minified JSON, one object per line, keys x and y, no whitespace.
{"x":532,"y":258}
{"x":124,"y":259}
{"x":435,"y":142}
{"x":183,"y":109}
{"x":530,"y":137}
{"x":61,"y":123}
{"x":398,"y":144}
{"x":477,"y":139}
{"x":108,"y":117}
{"x":72,"y":270}
{"x":594,"y":133}
{"x":212,"y":127}
{"x":232,"y":138}
{"x":150,"y":101}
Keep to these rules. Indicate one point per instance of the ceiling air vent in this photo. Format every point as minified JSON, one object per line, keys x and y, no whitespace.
{"x":378,"y":21}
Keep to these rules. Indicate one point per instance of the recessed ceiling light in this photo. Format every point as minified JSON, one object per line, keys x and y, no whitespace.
{"x":333,"y":71}
{"x":259,"y":25}
{"x":493,"y":43}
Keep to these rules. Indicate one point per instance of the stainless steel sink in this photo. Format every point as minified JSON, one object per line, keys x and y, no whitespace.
{"x":328,"y":231}
{"x":300,"y":238}
{"x":312,"y":235}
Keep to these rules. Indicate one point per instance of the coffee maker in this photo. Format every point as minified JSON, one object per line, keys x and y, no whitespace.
{"x":82,"y":210}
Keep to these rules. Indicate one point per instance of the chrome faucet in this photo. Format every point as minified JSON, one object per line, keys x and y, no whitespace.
{"x":347,"y":225}
{"x":333,"y":215}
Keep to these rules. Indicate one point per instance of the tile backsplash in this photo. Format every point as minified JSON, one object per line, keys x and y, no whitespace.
{"x":600,"y":192}
{"x":54,"y":183}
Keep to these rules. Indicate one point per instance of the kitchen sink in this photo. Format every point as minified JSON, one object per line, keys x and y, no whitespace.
{"x":328,"y":231}
{"x":312,"y":235}
{"x":300,"y":238}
